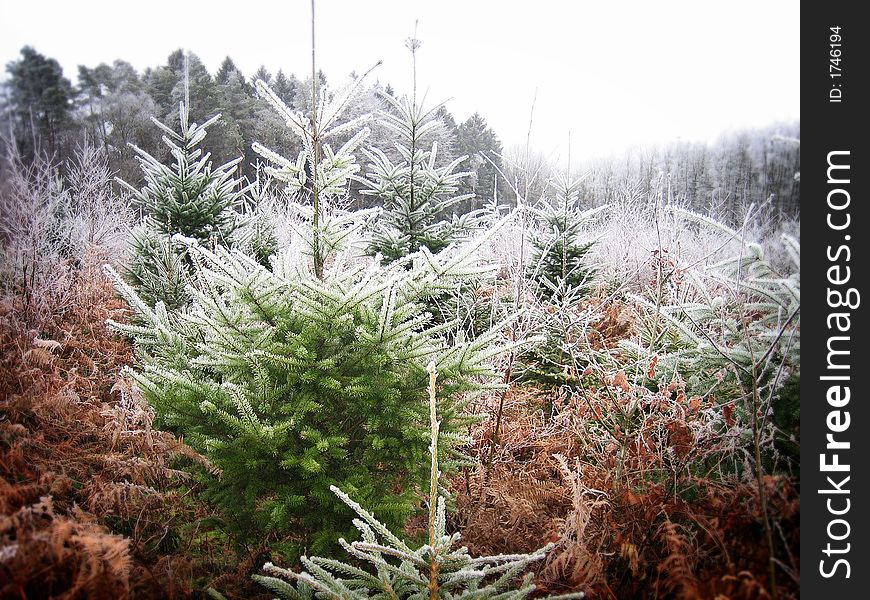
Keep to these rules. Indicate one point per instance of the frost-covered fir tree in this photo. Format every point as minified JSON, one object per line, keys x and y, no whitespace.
{"x":385,"y":566}
{"x":559,"y":272}
{"x":291,"y":383}
{"x":189,"y":198}
{"x":559,"y":263}
{"x":310,"y":373}
{"x":416,"y":194}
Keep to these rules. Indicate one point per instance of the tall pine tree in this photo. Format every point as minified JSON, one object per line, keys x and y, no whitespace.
{"x":477,"y":140}
{"x":41,"y":99}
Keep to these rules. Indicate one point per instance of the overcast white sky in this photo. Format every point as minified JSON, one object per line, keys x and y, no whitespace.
{"x":615,"y":74}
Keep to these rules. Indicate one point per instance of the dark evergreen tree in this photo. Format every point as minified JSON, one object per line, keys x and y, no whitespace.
{"x":41,"y":101}
{"x":226,"y":69}
{"x":448,"y":121}
{"x":263,"y":75}
{"x":124,"y":77}
{"x":236,"y":106}
{"x":91,"y":90}
{"x":480,"y":143}
{"x":196,"y":84}
{"x":286,"y":87}
{"x":159,"y":83}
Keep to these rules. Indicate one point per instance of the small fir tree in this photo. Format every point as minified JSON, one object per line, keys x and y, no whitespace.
{"x":159,"y":267}
{"x":559,"y":263}
{"x":189,"y":198}
{"x":416,"y":195}
{"x":559,"y":273}
{"x":290,"y":383}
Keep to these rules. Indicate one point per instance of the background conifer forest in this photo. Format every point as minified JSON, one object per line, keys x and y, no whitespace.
{"x":283,"y":335}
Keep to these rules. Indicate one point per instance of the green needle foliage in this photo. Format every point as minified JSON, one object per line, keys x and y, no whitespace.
{"x":291,"y":384}
{"x":438,"y":569}
{"x":158,"y":268}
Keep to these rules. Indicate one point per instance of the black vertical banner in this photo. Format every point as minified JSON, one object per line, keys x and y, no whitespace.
{"x":835,"y":372}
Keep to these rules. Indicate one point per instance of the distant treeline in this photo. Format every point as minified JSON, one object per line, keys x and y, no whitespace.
{"x":42,"y":111}
{"x":760,"y":166}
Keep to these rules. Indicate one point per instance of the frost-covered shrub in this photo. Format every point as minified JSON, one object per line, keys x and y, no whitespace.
{"x":56,"y":222}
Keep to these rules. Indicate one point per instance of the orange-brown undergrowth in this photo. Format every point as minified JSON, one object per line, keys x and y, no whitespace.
{"x":90,"y":506}
{"x":628,"y":517}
